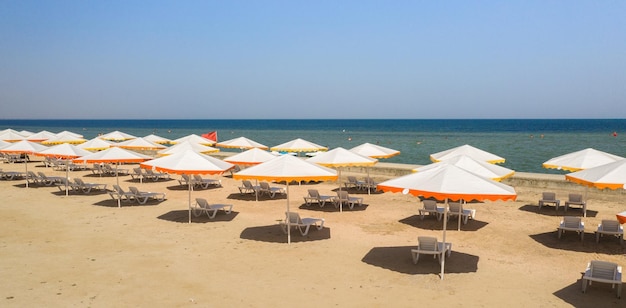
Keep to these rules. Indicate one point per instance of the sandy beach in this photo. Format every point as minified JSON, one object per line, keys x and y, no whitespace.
{"x":82,"y":250}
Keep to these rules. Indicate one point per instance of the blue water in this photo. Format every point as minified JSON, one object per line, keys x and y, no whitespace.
{"x":525,"y":144}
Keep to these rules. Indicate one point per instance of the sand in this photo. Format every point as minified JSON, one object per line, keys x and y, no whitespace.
{"x":82,"y":250}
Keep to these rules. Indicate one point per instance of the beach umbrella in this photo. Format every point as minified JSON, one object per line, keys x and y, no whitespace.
{"x":26,"y":133}
{"x":467,"y":150}
{"x":374,"y":151}
{"x":580,"y":160}
{"x":115,"y":156}
{"x":157,"y":139}
{"x":340,"y":157}
{"x":490,"y":171}
{"x":65,"y":137}
{"x":193,"y":138}
{"x":139,"y":144}
{"x":611,"y":176}
{"x":449,"y":182}
{"x":10,"y":135}
{"x":241,"y":143}
{"x":250,"y":157}
{"x":117,"y":136}
{"x":187,"y":145}
{"x":24,"y":147}
{"x":41,"y":136}
{"x":95,"y":144}
{"x":298,"y":145}
{"x":4,"y":144}
{"x":189,"y":163}
{"x":64,"y":151}
{"x":287,"y":168}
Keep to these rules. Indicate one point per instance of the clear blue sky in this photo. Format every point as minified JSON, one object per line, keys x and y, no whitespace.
{"x":312,"y":59}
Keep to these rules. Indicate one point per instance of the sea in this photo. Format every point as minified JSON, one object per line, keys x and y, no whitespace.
{"x":524,"y":143}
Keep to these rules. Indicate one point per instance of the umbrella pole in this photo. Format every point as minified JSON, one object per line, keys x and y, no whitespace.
{"x":189,"y":183}
{"x":26,"y":166}
{"x":256,"y":190}
{"x":445,"y":226}
{"x":288,"y":220}
{"x":459,"y":227}
{"x":67,"y":176}
{"x":340,"y":202}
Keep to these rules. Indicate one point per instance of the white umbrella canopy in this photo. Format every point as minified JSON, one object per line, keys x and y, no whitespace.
{"x":580,"y":160}
{"x":241,"y":143}
{"x":250,"y":157}
{"x":10,"y":135}
{"x":449,"y":182}
{"x":41,"y":136}
{"x":26,"y":133}
{"x":490,"y":171}
{"x":158,"y":139}
{"x":287,"y":168}
{"x":611,"y":176}
{"x":468,"y":150}
{"x":24,"y":147}
{"x":298,"y":145}
{"x":117,"y":136}
{"x":188,"y":162}
{"x":139,"y":144}
{"x":187,"y":145}
{"x":374,"y":151}
{"x":65,"y":151}
{"x":65,"y":137}
{"x":193,"y":138}
{"x":4,"y":144}
{"x":95,"y":144}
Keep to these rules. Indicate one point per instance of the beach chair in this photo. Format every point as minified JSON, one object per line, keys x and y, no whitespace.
{"x":610,"y":227}
{"x":293,"y":219}
{"x":576,"y":199}
{"x":248,"y":188}
{"x":431,"y":208}
{"x":271,"y":191}
{"x":549,"y":198}
{"x":143,"y":196}
{"x":184,"y":180}
{"x":13,"y":175}
{"x":343,"y":198}
{"x":456,"y":209}
{"x":205,"y":182}
{"x":315,"y":197}
{"x":97,"y":169}
{"x":86,"y":188}
{"x":109,"y":170}
{"x":50,"y":180}
{"x":428,"y":245}
{"x":370,"y":184}
{"x":137,"y":174}
{"x":353,"y":183}
{"x":33,"y":179}
{"x":571,"y":223}
{"x":605,"y":272}
{"x":155,"y":176}
{"x":202,"y":206}
{"x":119,"y":194}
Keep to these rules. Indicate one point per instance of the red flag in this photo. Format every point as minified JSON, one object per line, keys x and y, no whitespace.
{"x":211,"y":135}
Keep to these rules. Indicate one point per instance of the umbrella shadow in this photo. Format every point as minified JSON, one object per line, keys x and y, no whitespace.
{"x":80,"y":193}
{"x":597,"y":294}
{"x":274,"y":234}
{"x":251,"y":197}
{"x":571,"y":241}
{"x":431,"y":223}
{"x":399,"y":259}
{"x":551,"y":211}
{"x":330,"y":208}
{"x":182,"y":216}
{"x":113,"y":203}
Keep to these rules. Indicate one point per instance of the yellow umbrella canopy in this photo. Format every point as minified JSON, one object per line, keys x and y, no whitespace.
{"x":95,"y":144}
{"x":298,"y":145}
{"x":250,"y":157}
{"x":65,"y":137}
{"x":193,"y":138}
{"x":117,"y":136}
{"x":241,"y":143}
{"x":188,"y":145}
{"x":374,"y":151}
{"x":41,"y":136}
{"x":157,"y":139}
{"x":580,"y":160}
{"x":490,"y":171}
{"x":139,"y":144}
{"x":10,"y":135}
{"x":467,"y":150}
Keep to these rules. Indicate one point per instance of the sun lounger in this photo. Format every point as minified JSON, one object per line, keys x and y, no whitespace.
{"x":315,"y":197}
{"x":570,"y":223}
{"x":343,"y":198}
{"x":431,"y":208}
{"x":271,"y":191}
{"x":119,"y":194}
{"x":456,"y":209}
{"x":605,"y":272}
{"x":610,"y":227}
{"x":428,"y":245}
{"x":33,"y":179}
{"x":199,"y":181}
{"x":12,"y":175}
{"x":50,"y":180}
{"x":576,"y":199}
{"x":293,"y":219}
{"x":202,"y":206}
{"x":137,"y":174}
{"x":155,"y":176}
{"x":353,"y":183}
{"x":81,"y":185}
{"x":143,"y":196}
{"x":549,"y":198}
{"x":248,"y":188}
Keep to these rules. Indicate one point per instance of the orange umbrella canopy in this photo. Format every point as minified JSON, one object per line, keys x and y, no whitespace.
{"x":113,"y":155}
{"x":139,"y":144}
{"x":611,"y":175}
{"x":188,"y":162}
{"x":340,"y":157}
{"x":485,"y":169}
{"x":287,"y":168}
{"x":580,"y":160}
{"x":63,"y":150}
{"x":241,"y":143}
{"x":250,"y":157}
{"x":299,"y":145}
{"x":23,"y":147}
{"x":188,"y":145}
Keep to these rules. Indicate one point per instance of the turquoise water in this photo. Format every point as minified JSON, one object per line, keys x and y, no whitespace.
{"x":525,"y":144}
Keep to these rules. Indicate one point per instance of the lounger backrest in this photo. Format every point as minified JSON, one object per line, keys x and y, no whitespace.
{"x":137,"y":170}
{"x":197,"y":177}
{"x":313,"y":193}
{"x":430,"y":204}
{"x":548,"y":196}
{"x":134,"y":190}
{"x":264,"y":185}
{"x":571,"y":222}
{"x":352,"y":179}
{"x":610,"y":225}
{"x":427,"y":243}
{"x":603,"y":269}
{"x":343,"y":195}
{"x":455,"y":207}
{"x":293,"y":218}
{"x":42,"y":175}
{"x":185,"y":177}
{"x":576,"y":198}
{"x":79,"y":181}
{"x":202,"y":202}
{"x":118,"y":189}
